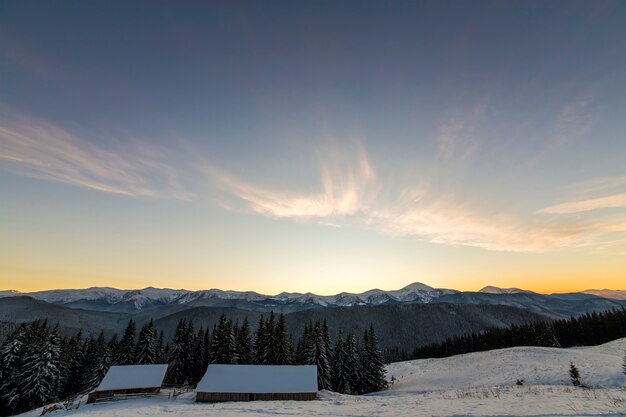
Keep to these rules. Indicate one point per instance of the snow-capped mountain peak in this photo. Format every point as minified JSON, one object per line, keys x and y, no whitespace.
{"x":489,"y":289}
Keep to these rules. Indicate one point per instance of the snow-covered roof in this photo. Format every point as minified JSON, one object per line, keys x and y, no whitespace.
{"x":133,"y":376}
{"x":258,"y":379}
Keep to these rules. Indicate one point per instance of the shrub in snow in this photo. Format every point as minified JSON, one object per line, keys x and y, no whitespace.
{"x":574,"y":374}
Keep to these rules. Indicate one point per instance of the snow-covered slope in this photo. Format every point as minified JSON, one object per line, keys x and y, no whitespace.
{"x":600,"y":366}
{"x":489,"y":289}
{"x":614,"y":294}
{"x":476,"y":384}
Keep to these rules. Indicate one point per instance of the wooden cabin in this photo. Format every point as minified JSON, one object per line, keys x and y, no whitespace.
{"x":127,"y":380}
{"x":258,"y":382}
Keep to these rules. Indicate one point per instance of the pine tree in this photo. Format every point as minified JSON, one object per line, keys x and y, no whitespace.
{"x":147,"y":346}
{"x":341,"y":372}
{"x":304,"y":350}
{"x":177,"y":355}
{"x":281,"y":343}
{"x":222,"y":342}
{"x":199,"y":355}
{"x":38,"y":380}
{"x":71,"y":364}
{"x":161,"y":354}
{"x":268,"y":340}
{"x":98,"y":364}
{"x":243,"y":344}
{"x":353,"y":363}
{"x":372,"y":363}
{"x":260,"y":344}
{"x":12,"y":355}
{"x":125,"y":352}
{"x":574,"y":374}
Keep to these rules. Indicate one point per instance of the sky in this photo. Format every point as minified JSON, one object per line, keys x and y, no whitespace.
{"x":313,"y":145}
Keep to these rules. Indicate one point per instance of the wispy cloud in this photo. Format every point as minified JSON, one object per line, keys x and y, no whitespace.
{"x":574,"y":120}
{"x":611,"y":201}
{"x":41,"y":150}
{"x":457,"y":137}
{"x":351,"y":193}
{"x":599,"y":184}
{"x":347,"y":186}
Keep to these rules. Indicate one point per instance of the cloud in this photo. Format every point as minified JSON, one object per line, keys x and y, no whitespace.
{"x":457,"y":137}
{"x":41,"y":150}
{"x":587,"y":198}
{"x":347,"y":185}
{"x":599,"y":184}
{"x":574,"y":121}
{"x":351,"y":193}
{"x":611,"y":201}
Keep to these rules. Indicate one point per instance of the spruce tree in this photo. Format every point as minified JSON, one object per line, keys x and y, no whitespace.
{"x":281,"y":343}
{"x":38,"y":381}
{"x":199,"y":356}
{"x":177,"y":355}
{"x":147,"y":346}
{"x":353,"y":363}
{"x":372,"y":363}
{"x":98,"y":364}
{"x":12,"y":355}
{"x":222,"y":342}
{"x":125,"y":351}
{"x":71,"y":365}
{"x":243,"y":344}
{"x":260,"y":344}
{"x":341,"y":372}
{"x":161,"y":354}
{"x":574,"y":374}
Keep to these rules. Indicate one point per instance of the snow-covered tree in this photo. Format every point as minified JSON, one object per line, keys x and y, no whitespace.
{"x":125,"y":350}
{"x":341,"y":375}
{"x":262,"y":343}
{"x":179,"y":355}
{"x":222,"y":342}
{"x":11,"y":356}
{"x":98,"y":362}
{"x":243,"y":344}
{"x":281,"y":344}
{"x":372,"y":363}
{"x":146,"y":351}
{"x":353,"y":363}
{"x":40,"y":374}
{"x":71,"y":365}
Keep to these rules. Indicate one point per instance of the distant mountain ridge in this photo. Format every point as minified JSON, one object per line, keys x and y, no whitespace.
{"x":112,"y":299}
{"x":170,"y":301}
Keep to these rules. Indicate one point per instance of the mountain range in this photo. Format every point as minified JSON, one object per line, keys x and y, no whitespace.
{"x":414,"y":315}
{"x":137,"y":301}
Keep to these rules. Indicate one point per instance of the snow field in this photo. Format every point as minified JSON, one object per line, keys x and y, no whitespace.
{"x":475,"y":384}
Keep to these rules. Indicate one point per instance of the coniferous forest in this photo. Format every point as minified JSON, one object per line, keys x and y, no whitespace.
{"x":586,"y":330}
{"x":38,"y":365}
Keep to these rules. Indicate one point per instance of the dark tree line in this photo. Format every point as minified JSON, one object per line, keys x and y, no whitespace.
{"x":586,"y":330}
{"x":38,"y":365}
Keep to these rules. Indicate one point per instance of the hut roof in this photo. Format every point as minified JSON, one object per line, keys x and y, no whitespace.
{"x":257,"y":379}
{"x":132,"y":377}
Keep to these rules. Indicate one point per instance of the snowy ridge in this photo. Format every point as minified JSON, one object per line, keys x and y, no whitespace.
{"x":614,"y":294}
{"x":600,"y":366}
{"x":150,"y":297}
{"x":489,"y":289}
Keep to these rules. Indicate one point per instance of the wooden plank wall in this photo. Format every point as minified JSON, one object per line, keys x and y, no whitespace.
{"x":238,"y":396}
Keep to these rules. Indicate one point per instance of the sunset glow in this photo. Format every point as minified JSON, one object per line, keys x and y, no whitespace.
{"x":313,"y":147}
